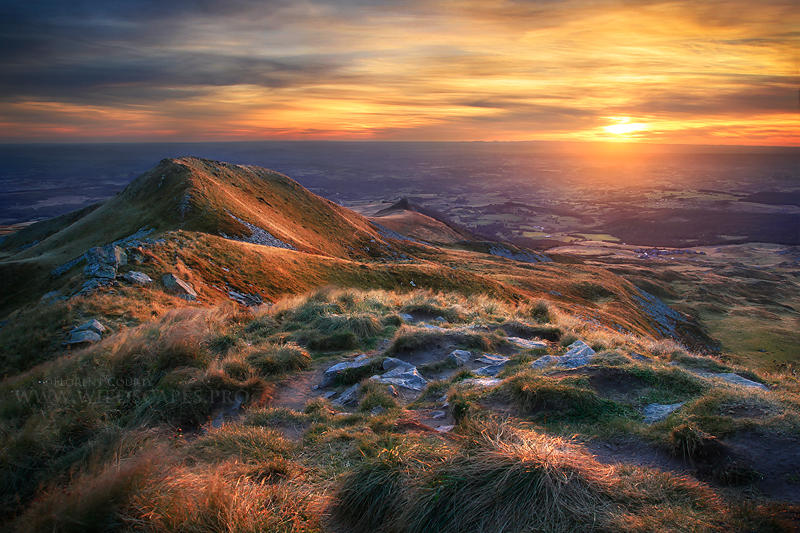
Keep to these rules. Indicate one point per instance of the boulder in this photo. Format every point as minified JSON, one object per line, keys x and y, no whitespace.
{"x":330,"y":375}
{"x":92,"y":325}
{"x":135,"y":255}
{"x":86,"y":336}
{"x":406,"y":317}
{"x":459,"y":357}
{"x":137,"y":278}
{"x":656,"y":412}
{"x":440,"y":319}
{"x":178,"y":287}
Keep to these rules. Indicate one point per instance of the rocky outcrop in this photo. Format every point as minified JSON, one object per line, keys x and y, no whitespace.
{"x":259,"y":236}
{"x":578,"y":354}
{"x":527,"y":343}
{"x":178,"y":287}
{"x":405,"y":376}
{"x":349,"y":395}
{"x":246,"y":299}
{"x":86,"y":333}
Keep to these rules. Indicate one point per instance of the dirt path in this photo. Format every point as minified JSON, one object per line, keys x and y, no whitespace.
{"x":297,"y":390}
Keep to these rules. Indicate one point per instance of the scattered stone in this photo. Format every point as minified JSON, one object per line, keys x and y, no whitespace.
{"x":92,"y":325}
{"x":444,"y":429}
{"x":412,"y":283}
{"x":330,"y":375}
{"x":137,"y":278}
{"x":656,"y":412}
{"x":431,"y":326}
{"x":91,"y":285}
{"x":175,"y":285}
{"x":438,"y":415}
{"x":459,"y":357}
{"x":350,"y":395}
{"x":82,"y":337}
{"x":527,"y":343}
{"x":440,"y":319}
{"x":402,"y":376}
{"x":328,"y":394}
{"x":406,"y":317}
{"x":100,"y":270}
{"x":248,"y":300}
{"x":578,"y":354}
{"x":730,"y":377}
{"x":259,"y":236}
{"x":639,"y":357}
{"x":377,"y":410}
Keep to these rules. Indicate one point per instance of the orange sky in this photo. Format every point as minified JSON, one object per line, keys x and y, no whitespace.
{"x":674,"y":72}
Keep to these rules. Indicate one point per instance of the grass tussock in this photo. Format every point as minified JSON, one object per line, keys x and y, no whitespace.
{"x":501,"y":479}
{"x":278,"y":359}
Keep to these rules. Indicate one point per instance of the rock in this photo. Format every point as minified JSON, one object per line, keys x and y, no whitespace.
{"x":527,"y":344}
{"x":350,"y":395}
{"x":93,"y":284}
{"x":406,"y":317}
{"x":110,"y":254}
{"x":377,"y":410}
{"x":248,"y":300}
{"x":736,"y":379}
{"x":51,"y":298}
{"x":492,"y":359}
{"x":100,"y":270}
{"x":175,"y":285}
{"x":459,"y":357}
{"x":482,"y":382}
{"x":400,"y":376}
{"x":489,"y":370}
{"x":440,"y":319}
{"x":438,"y":415}
{"x":137,"y":278}
{"x":444,"y":429}
{"x":92,"y":325}
{"x":390,"y":362}
{"x":656,"y":412}
{"x":639,"y":357}
{"x":82,"y":337}
{"x":328,"y":394}
{"x":431,"y":326}
{"x":578,"y":354}
{"x":330,"y":375}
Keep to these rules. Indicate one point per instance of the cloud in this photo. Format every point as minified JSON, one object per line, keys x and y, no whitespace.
{"x":440,"y":69}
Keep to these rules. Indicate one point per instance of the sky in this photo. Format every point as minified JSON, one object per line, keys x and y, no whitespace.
{"x":705,"y":72}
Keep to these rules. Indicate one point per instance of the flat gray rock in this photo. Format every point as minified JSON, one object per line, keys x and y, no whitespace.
{"x":137,"y":278}
{"x":178,"y":287}
{"x":100,"y":270}
{"x":492,"y":359}
{"x":330,"y":375}
{"x":482,"y":382}
{"x":407,"y":378}
{"x":656,"y":412}
{"x":527,"y":343}
{"x":83,"y":337}
{"x":92,"y":325}
{"x":406,"y":317}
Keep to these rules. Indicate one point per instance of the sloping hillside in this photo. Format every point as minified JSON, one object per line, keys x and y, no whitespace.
{"x":252,"y":236}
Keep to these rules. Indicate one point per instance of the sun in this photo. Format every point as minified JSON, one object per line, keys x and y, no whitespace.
{"x":624,"y":126}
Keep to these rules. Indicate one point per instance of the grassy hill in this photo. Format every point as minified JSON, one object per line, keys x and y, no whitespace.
{"x":461,"y":405}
